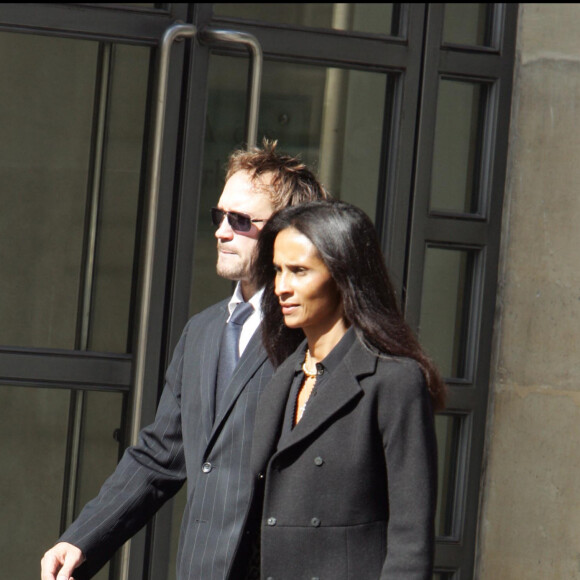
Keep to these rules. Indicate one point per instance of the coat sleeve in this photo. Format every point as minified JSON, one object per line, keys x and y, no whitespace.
{"x":410,"y":450}
{"x":149,"y":474}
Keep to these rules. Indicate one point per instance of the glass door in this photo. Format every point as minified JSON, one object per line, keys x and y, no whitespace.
{"x":401,"y":109}
{"x":327,"y":94}
{"x":76,"y":117}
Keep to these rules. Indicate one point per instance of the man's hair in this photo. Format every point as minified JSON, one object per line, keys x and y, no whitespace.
{"x":291,"y":182}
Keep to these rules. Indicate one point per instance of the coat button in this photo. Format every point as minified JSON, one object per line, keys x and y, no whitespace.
{"x":315,"y":522}
{"x":260,"y":475}
{"x":271,"y":521}
{"x":318,"y":461}
{"x":206,"y":467}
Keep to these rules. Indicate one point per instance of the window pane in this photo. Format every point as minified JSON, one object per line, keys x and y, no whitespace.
{"x":332,"y":118}
{"x":99,"y":445}
{"x":98,"y":450}
{"x":447,"y":428}
{"x":70,"y":165}
{"x":33,"y":433}
{"x":445,"y":303}
{"x":46,"y":115}
{"x":443,"y":576}
{"x":468,"y":24}
{"x":457,"y":147}
{"x":119,"y":198}
{"x":364,"y":17}
{"x":139,"y":4}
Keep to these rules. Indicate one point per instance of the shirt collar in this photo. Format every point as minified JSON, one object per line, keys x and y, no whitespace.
{"x":238,"y":298}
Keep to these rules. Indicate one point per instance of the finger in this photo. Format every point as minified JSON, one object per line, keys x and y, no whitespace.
{"x":70,"y":563}
{"x":49,"y":566}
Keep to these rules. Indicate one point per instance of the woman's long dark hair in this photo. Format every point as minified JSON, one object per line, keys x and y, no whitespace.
{"x":348,"y":244}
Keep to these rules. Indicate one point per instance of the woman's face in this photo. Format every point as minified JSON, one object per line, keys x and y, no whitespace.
{"x":308,"y":295}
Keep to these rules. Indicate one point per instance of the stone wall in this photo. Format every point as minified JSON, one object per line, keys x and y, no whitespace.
{"x":530,"y":511}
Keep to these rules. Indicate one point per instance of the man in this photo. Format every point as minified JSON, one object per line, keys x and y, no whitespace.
{"x":203,"y":426}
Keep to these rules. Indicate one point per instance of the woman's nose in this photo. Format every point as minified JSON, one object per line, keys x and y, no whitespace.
{"x":281,"y":284}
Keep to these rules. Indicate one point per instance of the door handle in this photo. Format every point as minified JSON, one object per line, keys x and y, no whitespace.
{"x":173,"y":33}
{"x":170,"y":36}
{"x":215,"y":35}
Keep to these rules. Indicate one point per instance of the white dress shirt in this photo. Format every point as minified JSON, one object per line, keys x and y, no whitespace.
{"x":253,"y":321}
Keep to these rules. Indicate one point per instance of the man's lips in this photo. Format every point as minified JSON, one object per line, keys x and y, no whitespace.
{"x":225,"y":250}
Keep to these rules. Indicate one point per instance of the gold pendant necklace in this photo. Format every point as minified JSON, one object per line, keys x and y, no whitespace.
{"x":310,"y":378}
{"x":309,"y":374}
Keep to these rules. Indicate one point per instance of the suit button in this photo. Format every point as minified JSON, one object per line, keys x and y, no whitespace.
{"x":271,"y":521}
{"x":318,"y":461}
{"x":260,"y":475}
{"x":206,"y":467}
{"x":315,"y":522}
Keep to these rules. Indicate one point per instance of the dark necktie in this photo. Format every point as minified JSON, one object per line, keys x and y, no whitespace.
{"x":229,"y":349}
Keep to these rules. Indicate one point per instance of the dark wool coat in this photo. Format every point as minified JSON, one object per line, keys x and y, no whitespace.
{"x":351,"y":492}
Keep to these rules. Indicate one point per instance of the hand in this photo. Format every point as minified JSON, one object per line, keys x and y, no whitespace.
{"x":60,"y":562}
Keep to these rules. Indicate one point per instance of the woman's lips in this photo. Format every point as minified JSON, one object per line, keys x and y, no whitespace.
{"x":288,"y":308}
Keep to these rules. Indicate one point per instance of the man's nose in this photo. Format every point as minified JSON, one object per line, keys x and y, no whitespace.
{"x":224,"y":230}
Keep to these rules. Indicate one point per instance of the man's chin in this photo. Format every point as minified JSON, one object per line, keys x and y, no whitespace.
{"x":233,"y":274}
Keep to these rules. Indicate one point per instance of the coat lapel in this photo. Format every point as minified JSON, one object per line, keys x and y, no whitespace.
{"x":270,"y":412}
{"x":208,"y":371}
{"x":343,"y":388}
{"x":251,"y":360}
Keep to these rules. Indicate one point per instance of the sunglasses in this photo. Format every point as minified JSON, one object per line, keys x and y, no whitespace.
{"x":239,"y":222}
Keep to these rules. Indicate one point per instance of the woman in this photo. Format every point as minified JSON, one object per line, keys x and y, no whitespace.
{"x":344,"y":443}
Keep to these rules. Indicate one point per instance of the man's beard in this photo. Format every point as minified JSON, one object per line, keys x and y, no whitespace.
{"x":234,"y":272}
{"x":235,"y":269}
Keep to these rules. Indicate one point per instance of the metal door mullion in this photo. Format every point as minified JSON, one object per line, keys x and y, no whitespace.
{"x":332,"y":48}
{"x":94,"y":22}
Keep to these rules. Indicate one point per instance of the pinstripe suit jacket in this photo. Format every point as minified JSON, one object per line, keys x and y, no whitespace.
{"x":185,"y":442}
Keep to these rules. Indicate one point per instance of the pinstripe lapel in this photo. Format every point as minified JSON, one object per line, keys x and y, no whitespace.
{"x":208,"y":371}
{"x":252,"y":359}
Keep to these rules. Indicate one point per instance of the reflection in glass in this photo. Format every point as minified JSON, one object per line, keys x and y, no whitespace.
{"x":94,"y":430}
{"x":447,"y":428}
{"x":98,"y":446}
{"x":443,"y":576}
{"x":70,"y":164}
{"x":361,"y":17}
{"x":332,"y":118}
{"x":468,"y":23}
{"x":46,"y":117}
{"x":457,"y":147}
{"x":445,"y":304}
{"x":156,"y":5}
{"x":118,"y":196}
{"x":34,"y":442}
{"x":33,"y":434}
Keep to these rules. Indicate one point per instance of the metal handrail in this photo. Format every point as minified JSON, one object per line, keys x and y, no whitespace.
{"x":169,"y":37}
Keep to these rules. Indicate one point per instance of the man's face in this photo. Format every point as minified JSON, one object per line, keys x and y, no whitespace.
{"x":236,"y":249}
